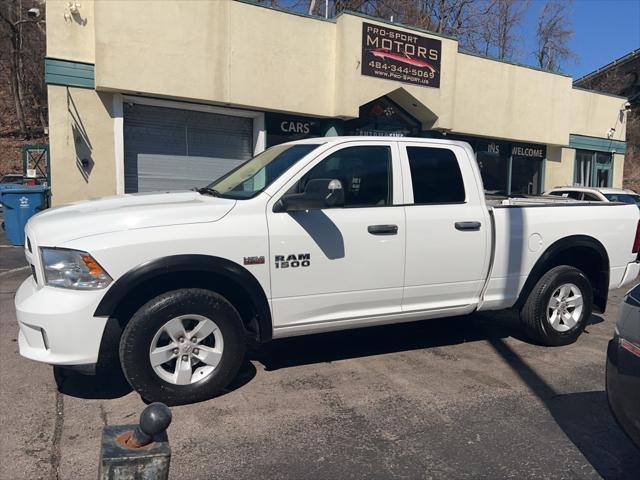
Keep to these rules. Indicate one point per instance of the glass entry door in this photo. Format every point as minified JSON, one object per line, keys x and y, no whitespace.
{"x":593,"y":169}
{"x":603,"y":169}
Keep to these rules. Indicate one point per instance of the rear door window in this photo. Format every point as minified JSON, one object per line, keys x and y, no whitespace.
{"x":435,"y":176}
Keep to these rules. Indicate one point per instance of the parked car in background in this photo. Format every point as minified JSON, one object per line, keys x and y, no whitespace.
{"x":20,"y":179}
{"x":596,"y":194}
{"x":623,"y":367}
{"x":12,"y":178}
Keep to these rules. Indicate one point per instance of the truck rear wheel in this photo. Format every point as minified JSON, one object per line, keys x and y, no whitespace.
{"x":183,"y":346}
{"x":559,"y":306}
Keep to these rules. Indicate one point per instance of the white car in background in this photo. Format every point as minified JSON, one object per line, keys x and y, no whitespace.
{"x":596,"y":194}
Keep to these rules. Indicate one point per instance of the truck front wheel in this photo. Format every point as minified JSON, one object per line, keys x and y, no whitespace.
{"x":183,"y":346}
{"x":559,"y":306}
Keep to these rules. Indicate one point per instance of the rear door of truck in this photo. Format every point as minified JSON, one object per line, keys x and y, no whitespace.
{"x":448,"y":228}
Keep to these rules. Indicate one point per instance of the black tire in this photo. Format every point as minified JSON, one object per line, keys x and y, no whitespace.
{"x":534,"y":317}
{"x":138,"y":335}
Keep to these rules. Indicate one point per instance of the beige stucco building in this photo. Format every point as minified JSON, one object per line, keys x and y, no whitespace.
{"x":147,"y":95}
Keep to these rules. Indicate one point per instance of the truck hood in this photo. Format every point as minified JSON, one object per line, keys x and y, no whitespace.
{"x":125,"y":212}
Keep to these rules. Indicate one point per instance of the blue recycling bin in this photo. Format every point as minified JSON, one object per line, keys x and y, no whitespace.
{"x":10,"y":186}
{"x":20,"y":204}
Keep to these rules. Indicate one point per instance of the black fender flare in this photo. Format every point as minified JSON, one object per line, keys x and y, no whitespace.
{"x":221,"y":267}
{"x":556,"y":248}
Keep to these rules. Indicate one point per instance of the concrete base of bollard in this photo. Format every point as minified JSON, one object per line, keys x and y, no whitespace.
{"x":119,"y":462}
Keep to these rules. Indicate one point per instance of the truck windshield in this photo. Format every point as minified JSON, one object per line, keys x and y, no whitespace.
{"x":623,"y":197}
{"x":253,"y":176}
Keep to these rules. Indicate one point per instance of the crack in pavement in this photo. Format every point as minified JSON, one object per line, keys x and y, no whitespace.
{"x":54,"y":472}
{"x":103,"y":414}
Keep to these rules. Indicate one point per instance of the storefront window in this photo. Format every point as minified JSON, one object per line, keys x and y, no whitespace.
{"x":495,"y":172}
{"x":593,"y":169}
{"x":526,"y":175}
{"x":508,"y":168}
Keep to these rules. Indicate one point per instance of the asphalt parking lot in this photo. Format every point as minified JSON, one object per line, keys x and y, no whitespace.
{"x":451,"y":398}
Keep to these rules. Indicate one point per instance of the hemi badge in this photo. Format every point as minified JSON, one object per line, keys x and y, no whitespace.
{"x":253,"y":260}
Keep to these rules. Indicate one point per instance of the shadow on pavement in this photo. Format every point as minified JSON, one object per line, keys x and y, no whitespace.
{"x":585,"y":419}
{"x":400,"y":337}
{"x":113,"y":384}
{"x":365,"y":342}
{"x":100,"y":386}
{"x":110,"y":383}
{"x":245,"y":375}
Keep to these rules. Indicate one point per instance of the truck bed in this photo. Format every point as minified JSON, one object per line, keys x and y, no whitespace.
{"x":522,"y":232}
{"x":539,"y":201}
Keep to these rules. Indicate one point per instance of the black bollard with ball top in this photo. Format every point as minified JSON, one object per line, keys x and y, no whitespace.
{"x":137,"y":452}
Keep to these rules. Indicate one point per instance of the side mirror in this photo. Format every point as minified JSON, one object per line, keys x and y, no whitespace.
{"x":319,"y":193}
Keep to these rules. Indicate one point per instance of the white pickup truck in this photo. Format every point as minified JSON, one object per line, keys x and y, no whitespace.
{"x":308,"y":236}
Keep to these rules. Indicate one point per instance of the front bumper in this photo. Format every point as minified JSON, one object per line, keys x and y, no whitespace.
{"x":57,"y":326}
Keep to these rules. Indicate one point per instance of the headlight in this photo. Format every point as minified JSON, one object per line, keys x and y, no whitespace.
{"x":72,"y":269}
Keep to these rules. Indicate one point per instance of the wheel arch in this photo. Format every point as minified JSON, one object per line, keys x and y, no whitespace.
{"x":152,"y":278}
{"x":580,"y":251}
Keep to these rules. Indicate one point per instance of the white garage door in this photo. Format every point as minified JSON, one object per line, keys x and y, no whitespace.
{"x":172,"y":149}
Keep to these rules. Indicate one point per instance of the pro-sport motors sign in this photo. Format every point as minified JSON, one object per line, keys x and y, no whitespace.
{"x":395,"y":55}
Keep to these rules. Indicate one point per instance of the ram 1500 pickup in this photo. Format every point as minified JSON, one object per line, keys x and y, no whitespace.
{"x":308,"y":236}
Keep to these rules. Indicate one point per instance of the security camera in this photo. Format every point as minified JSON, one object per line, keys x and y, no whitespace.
{"x":627,"y":106}
{"x":33,"y":13}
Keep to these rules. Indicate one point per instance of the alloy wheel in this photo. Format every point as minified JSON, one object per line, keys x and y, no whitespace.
{"x":187,"y":349}
{"x":565,"y":307}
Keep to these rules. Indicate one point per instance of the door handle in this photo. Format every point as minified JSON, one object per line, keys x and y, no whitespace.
{"x":468,"y":226}
{"x":383,"y":229}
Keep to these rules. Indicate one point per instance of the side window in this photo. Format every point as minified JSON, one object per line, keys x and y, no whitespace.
{"x":435,"y":175}
{"x":591,"y":197}
{"x":574,"y":195}
{"x":365,"y":173}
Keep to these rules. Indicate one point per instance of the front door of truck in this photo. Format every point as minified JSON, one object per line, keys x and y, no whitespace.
{"x":448,"y":233}
{"x":347,"y":262}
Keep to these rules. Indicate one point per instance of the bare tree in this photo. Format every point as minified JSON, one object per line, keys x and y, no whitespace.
{"x":22,"y":46}
{"x":553,"y":34}
{"x":507,"y":15}
{"x":478,"y":32}
{"x":456,"y":18}
{"x":355,"y":5}
{"x":450,"y":15}
{"x":488,"y":27}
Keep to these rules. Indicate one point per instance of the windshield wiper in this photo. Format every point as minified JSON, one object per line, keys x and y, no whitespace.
{"x":208,"y":191}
